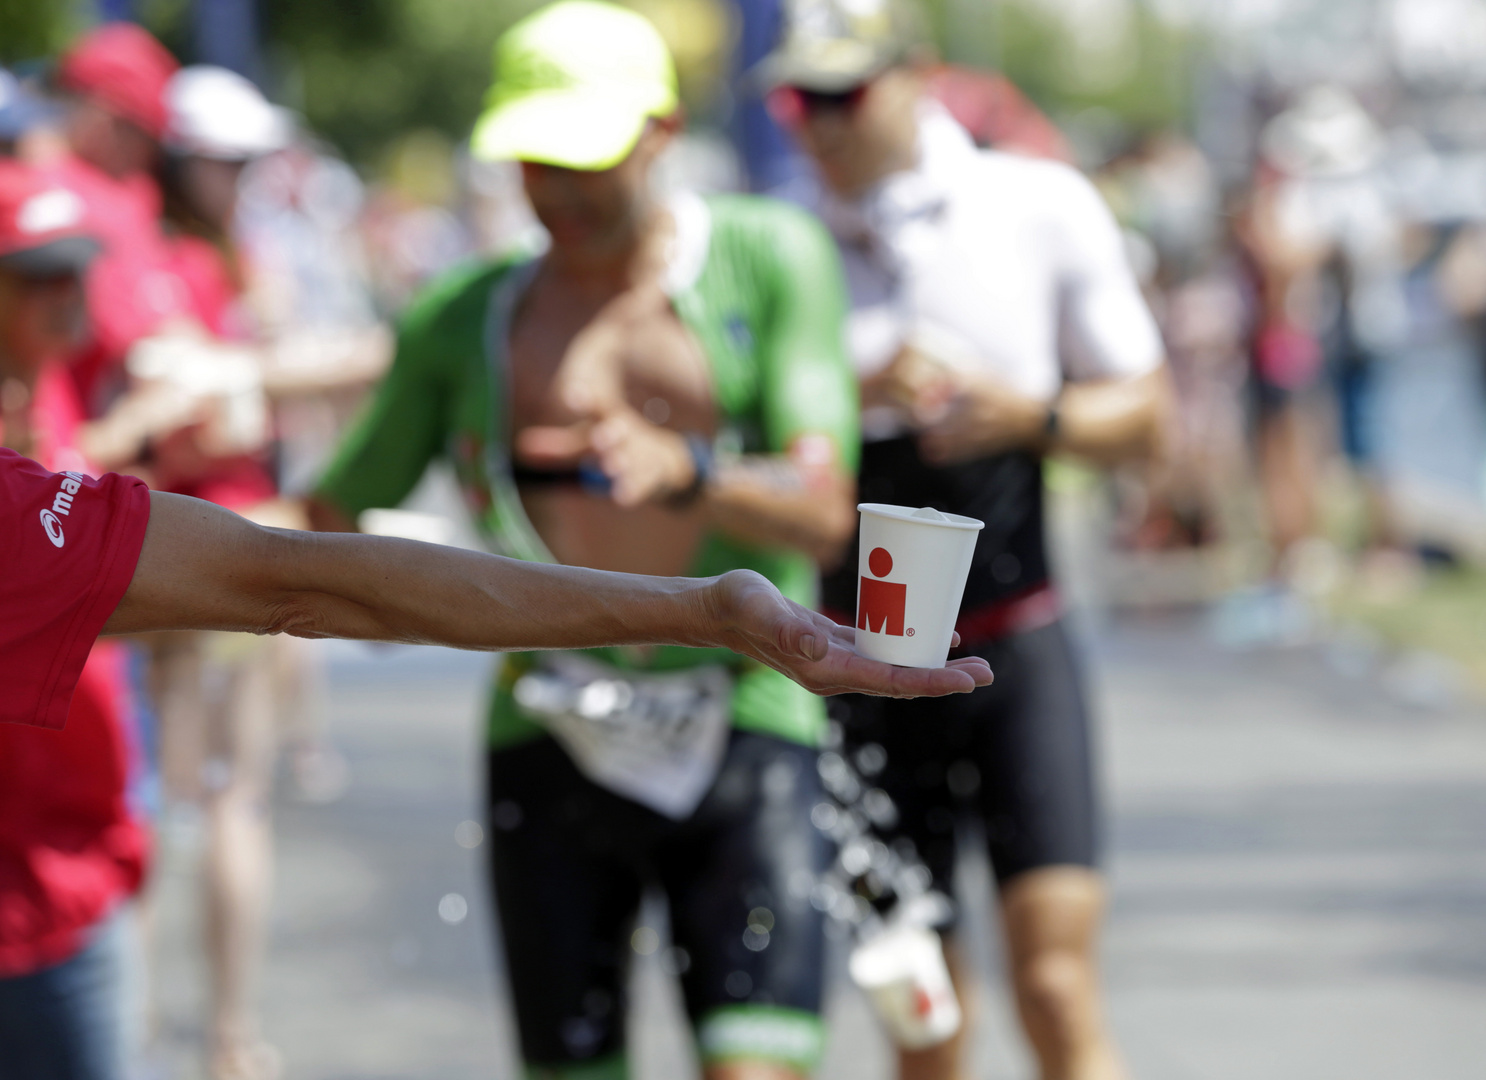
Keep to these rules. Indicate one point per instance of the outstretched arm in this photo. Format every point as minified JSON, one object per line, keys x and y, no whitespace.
{"x":203,"y":567}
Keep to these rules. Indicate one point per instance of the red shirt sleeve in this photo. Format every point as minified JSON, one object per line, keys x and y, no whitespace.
{"x":68,"y":548}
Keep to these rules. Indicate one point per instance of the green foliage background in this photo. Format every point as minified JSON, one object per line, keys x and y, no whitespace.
{"x":364,"y":70}
{"x":33,"y":29}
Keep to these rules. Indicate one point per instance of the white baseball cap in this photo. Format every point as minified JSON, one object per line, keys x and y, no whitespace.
{"x":216,"y":113}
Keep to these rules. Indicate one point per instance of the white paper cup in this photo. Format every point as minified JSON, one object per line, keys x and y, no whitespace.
{"x":902,"y":972}
{"x":912,"y":572}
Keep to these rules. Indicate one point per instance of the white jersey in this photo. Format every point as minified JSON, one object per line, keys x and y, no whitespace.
{"x":990,"y":261}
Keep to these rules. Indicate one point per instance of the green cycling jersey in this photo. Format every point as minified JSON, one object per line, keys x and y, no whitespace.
{"x":758,"y":285}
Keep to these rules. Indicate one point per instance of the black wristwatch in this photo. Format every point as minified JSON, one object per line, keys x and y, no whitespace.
{"x":1051,"y":425}
{"x":703,"y":462}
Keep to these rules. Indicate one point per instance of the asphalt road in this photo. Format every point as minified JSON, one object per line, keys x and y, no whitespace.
{"x":1298,"y":867}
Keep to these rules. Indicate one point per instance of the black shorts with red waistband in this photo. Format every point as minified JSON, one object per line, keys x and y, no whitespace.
{"x":1016,"y":756}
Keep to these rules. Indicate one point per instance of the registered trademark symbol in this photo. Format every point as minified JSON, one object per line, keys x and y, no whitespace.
{"x":909,"y":631}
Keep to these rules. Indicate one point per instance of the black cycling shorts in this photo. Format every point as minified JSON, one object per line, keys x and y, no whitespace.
{"x":1017,"y":755}
{"x":569,"y":861}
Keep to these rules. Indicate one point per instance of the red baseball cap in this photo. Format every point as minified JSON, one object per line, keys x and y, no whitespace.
{"x":124,"y":68}
{"x":43,"y":225}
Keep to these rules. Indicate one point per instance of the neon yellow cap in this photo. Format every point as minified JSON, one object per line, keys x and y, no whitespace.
{"x":574,"y":84}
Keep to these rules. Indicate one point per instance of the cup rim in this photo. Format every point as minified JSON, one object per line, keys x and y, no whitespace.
{"x":905,"y":513}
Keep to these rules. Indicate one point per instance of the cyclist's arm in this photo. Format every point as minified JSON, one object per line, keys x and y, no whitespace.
{"x":203,"y":567}
{"x":1114,"y":420}
{"x":802,"y":494}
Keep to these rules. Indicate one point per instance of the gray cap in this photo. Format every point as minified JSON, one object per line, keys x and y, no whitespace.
{"x":834,"y":45}
{"x":66,"y":255}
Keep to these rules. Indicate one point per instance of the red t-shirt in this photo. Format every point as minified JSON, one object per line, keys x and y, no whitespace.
{"x":131,"y":287}
{"x":71,"y":846}
{"x":68,"y":548}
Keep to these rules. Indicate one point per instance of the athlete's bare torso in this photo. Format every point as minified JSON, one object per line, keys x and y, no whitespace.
{"x":575,"y":349}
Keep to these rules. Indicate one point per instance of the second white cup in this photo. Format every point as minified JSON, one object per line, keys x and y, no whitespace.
{"x":902,"y":971}
{"x":912,"y":571}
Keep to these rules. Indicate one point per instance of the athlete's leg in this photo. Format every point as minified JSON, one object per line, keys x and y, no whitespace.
{"x":566,"y":895}
{"x":175,"y":686}
{"x":1287,"y":471}
{"x":739,"y":876}
{"x":1040,"y":810}
{"x":319,"y":770}
{"x":216,"y":749}
{"x":1051,"y":920}
{"x":237,"y":864}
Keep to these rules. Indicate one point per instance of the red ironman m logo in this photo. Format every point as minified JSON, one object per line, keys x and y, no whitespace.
{"x":881,"y":603}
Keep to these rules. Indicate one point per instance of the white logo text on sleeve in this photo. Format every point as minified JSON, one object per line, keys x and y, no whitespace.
{"x":51,"y":519}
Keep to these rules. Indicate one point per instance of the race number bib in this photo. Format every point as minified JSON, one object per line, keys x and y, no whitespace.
{"x":655,"y":738}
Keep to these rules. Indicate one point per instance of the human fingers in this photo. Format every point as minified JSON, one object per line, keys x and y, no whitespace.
{"x":801,"y":634}
{"x":613,"y":430}
{"x":956,"y":677}
{"x":936,"y":401}
{"x":633,"y":472}
{"x":632,"y":480}
{"x":828,"y":629}
{"x":854,"y":673}
{"x":978,"y":667}
{"x":554,"y":445}
{"x":844,"y":670}
{"x":647,"y":462}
